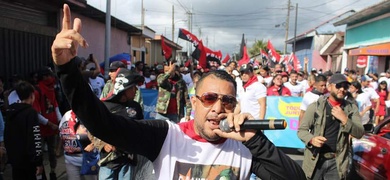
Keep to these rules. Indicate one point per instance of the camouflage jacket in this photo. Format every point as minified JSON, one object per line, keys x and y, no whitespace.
{"x":164,"y":95}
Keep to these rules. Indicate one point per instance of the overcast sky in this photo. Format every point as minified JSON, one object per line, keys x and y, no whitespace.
{"x":221,"y":23}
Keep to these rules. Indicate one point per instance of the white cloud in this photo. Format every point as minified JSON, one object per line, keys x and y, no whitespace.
{"x":222,"y":22}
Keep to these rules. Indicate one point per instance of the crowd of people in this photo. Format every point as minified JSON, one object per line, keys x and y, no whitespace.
{"x":75,"y":112}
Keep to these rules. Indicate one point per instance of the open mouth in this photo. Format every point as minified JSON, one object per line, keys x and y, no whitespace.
{"x":214,"y":124}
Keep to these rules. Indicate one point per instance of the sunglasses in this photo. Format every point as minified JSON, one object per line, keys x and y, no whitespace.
{"x":342,"y":85}
{"x":209,"y":98}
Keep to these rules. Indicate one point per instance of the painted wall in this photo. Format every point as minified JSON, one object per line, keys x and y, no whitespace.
{"x":367,"y":34}
{"x":94,"y":33}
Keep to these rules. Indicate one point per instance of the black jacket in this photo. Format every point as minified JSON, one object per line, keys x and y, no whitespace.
{"x":146,"y":137}
{"x":22,"y":136}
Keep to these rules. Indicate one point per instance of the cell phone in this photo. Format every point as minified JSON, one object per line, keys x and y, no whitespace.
{"x":90,"y":57}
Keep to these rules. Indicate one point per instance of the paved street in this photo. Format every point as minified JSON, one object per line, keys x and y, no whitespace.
{"x":61,"y":173}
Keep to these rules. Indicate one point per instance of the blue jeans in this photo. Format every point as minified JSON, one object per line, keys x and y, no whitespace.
{"x":172,"y":117}
{"x":326,"y":169}
{"x":122,"y":173}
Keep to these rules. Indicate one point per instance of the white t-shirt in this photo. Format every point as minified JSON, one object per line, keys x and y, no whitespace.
{"x":363,"y":100}
{"x":13,"y":98}
{"x":187,"y":78}
{"x":372,"y":94}
{"x":295,"y":90}
{"x":97,"y":85}
{"x":305,"y":84}
{"x":308,"y":98}
{"x":249,"y":98}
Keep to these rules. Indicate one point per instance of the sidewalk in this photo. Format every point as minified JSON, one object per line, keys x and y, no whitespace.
{"x":60,"y":170}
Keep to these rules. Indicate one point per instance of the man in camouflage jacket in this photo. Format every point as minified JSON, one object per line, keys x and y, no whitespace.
{"x":172,"y":95}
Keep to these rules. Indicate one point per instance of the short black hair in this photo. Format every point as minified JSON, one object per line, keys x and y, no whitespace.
{"x":24,"y":90}
{"x":321,"y":77}
{"x":220,"y":74}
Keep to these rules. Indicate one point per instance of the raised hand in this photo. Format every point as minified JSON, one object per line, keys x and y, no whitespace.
{"x":66,"y":43}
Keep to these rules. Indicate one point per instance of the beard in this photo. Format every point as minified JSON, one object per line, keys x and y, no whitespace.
{"x":334,"y":95}
{"x":207,"y":136}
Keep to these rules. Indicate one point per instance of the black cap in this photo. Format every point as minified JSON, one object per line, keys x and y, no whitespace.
{"x":246,"y":68}
{"x":117,"y":64}
{"x":337,"y":78}
{"x":124,"y":80}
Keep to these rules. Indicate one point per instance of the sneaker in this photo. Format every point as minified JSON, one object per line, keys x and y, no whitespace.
{"x":53,"y":176}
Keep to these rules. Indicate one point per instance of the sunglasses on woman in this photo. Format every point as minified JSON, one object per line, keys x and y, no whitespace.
{"x":209,"y":98}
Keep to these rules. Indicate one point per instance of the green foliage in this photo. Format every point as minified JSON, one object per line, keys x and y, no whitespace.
{"x":255,"y":49}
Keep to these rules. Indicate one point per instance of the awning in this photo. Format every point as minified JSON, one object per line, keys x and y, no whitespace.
{"x":374,"y":50}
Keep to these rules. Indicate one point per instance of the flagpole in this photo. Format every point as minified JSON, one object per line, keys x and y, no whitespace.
{"x":295,"y":30}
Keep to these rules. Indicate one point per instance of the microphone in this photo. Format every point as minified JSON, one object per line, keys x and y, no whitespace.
{"x":264,"y":124}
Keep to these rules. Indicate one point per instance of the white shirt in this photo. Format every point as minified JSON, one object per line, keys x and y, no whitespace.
{"x":308,"y":98}
{"x":249,"y":99}
{"x":187,"y":78}
{"x":13,"y":98}
{"x":374,"y":84}
{"x":372,"y":94}
{"x":295,"y":89}
{"x":363,"y":100}
{"x":97,"y":85}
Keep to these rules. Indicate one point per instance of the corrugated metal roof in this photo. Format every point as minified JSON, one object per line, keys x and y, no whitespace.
{"x":365,"y":14}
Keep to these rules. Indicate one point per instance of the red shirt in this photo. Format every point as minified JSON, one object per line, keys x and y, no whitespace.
{"x":274,"y":91}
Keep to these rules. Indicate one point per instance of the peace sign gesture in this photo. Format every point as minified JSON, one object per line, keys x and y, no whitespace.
{"x":65,"y":45}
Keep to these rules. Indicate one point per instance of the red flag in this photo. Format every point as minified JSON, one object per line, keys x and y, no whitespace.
{"x":245,"y":57}
{"x":166,"y":50}
{"x":272,"y":52}
{"x":226,"y":59}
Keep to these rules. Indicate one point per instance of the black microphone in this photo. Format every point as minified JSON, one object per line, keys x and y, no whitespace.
{"x":264,"y":124}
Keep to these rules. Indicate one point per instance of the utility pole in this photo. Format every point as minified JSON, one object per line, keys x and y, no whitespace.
{"x":173,"y":23}
{"x":287,"y":26}
{"x":107,"y":39}
{"x":142,"y":15}
{"x":295,"y":29}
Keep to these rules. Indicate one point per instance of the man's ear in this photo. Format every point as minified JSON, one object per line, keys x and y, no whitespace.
{"x":193,"y":102}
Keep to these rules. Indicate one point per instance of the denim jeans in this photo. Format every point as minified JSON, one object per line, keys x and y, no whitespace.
{"x":172,"y":117}
{"x":73,"y":173}
{"x":123,"y":172}
{"x":326,"y":169}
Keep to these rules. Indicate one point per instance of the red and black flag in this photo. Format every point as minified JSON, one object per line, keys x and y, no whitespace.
{"x":200,"y":54}
{"x":213,"y":57}
{"x":274,"y":56}
{"x":245,"y":58}
{"x":241,"y":55}
{"x":166,"y":50}
{"x":186,"y":35}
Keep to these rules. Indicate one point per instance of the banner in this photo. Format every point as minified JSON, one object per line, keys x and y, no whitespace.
{"x":149,"y":97}
{"x":288,"y":108}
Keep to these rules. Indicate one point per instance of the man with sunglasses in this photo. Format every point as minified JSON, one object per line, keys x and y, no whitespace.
{"x":325,"y":129}
{"x":196,"y":149}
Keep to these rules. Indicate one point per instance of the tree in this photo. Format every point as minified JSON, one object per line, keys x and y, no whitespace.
{"x":255,"y":50}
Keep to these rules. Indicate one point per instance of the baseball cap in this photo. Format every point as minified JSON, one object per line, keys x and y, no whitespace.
{"x":246,"y":68}
{"x":382,"y":74}
{"x":365,"y":78}
{"x":337,"y":78}
{"x":314,"y":69}
{"x":284,"y":74}
{"x":124,"y":79}
{"x":346,"y":70}
{"x":117,"y":64}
